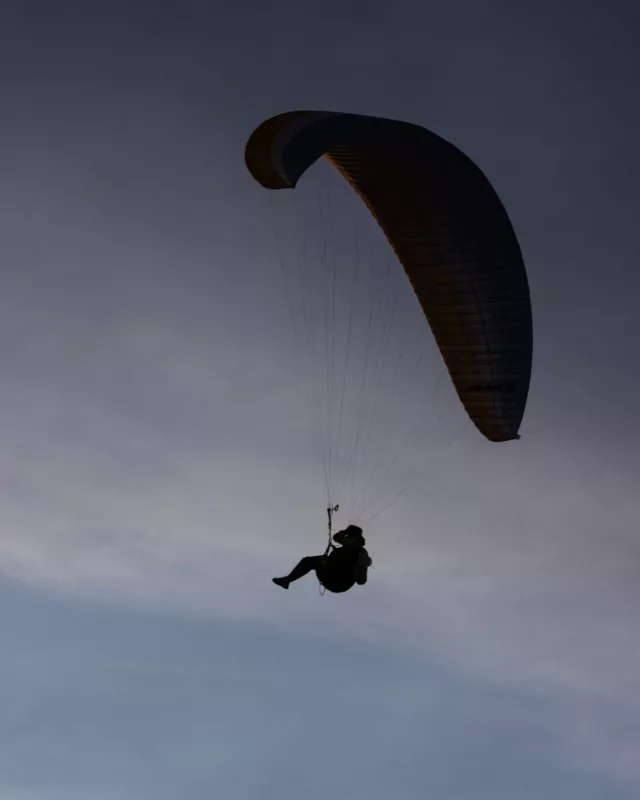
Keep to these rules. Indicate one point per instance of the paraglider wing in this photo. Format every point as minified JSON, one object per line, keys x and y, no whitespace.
{"x":450,"y":232}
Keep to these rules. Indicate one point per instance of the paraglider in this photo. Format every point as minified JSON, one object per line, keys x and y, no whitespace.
{"x":456,"y":245}
{"x":338,"y":570}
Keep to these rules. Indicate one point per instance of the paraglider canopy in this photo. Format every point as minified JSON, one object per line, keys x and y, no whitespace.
{"x":449,"y":231}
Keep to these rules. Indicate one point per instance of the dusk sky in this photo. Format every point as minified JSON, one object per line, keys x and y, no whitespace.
{"x":157,"y":467}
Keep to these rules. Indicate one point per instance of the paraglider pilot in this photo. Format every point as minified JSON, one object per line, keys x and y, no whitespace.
{"x":338,"y":570}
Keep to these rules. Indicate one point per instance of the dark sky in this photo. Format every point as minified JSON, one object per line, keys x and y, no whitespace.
{"x":155,"y":468}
